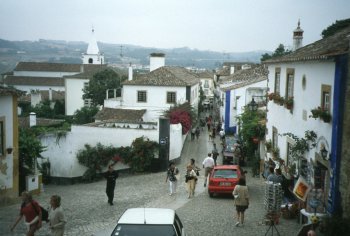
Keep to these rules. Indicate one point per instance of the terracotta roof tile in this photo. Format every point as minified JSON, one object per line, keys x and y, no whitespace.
{"x":166,"y":76}
{"x":120,"y":114}
{"x":245,"y":77}
{"x":31,"y":80}
{"x":323,"y":49}
{"x":23,"y":122}
{"x":10,"y":91}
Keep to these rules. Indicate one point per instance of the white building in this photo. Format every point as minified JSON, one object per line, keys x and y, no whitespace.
{"x":9,"y":156}
{"x":238,"y":91}
{"x":207,"y":83}
{"x":314,"y":76}
{"x":158,"y":90}
{"x":74,"y":85}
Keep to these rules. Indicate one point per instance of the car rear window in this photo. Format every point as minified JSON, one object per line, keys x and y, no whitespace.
{"x":144,"y":230}
{"x":225,"y":174}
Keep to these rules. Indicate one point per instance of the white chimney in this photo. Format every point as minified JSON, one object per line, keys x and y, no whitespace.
{"x":50,"y":94}
{"x":32,"y":119}
{"x":156,"y":60}
{"x":130,"y":73}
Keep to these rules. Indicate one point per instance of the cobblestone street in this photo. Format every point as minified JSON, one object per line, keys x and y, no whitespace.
{"x":88,"y":213}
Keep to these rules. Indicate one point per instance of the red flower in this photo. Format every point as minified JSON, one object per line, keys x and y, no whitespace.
{"x":116,"y":158}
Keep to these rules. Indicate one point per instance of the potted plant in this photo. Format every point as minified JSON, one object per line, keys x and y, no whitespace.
{"x":289,"y":102}
{"x":271,"y":96}
{"x":281,"y":101}
{"x":268,"y":145}
{"x":322,"y":114}
{"x":316,"y":112}
{"x":325,"y":116}
{"x":276,"y":97}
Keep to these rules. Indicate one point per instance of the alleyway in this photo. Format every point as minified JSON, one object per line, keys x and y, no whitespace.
{"x":88,"y":213}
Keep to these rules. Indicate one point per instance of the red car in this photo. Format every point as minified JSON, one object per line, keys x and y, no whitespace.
{"x":223,"y":179}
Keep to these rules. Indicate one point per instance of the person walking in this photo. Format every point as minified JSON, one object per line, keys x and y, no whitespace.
{"x":197,"y":132}
{"x":191,"y":178}
{"x":171,"y":176}
{"x":31,"y":211}
{"x":193,"y":133}
{"x":194,"y":167}
{"x":111,"y":175}
{"x":56,"y":216}
{"x":275,"y":176}
{"x":215,"y":153}
{"x":241,"y":201}
{"x":208,"y":165}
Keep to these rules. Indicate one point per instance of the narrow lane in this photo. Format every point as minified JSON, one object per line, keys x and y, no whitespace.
{"x":88,"y":212}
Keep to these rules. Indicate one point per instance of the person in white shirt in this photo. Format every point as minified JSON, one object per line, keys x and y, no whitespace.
{"x":208,"y":165}
{"x":222,"y":135}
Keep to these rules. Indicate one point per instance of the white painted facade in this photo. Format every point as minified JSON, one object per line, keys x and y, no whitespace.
{"x":29,"y":88}
{"x":156,"y":99}
{"x":239,"y":98}
{"x":207,"y":85}
{"x":62,"y":153}
{"x":74,"y":94}
{"x":6,"y":160}
{"x":44,"y":73}
{"x":306,"y":98}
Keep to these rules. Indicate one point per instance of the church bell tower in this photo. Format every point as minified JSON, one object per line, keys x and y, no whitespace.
{"x":93,"y":54}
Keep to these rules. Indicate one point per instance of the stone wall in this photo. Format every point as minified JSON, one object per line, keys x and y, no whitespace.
{"x":344,"y":184}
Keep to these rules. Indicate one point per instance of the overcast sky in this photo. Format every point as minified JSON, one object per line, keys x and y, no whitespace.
{"x":218,"y":25}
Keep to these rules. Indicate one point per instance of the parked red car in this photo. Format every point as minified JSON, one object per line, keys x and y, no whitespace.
{"x":223,"y":179}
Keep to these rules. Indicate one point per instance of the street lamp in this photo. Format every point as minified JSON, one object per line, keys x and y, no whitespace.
{"x":253,"y":106}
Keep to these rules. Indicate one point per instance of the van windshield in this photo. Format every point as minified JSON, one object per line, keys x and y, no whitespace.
{"x":144,"y":230}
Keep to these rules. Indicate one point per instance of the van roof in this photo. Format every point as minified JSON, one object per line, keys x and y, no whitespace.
{"x":147,"y":216}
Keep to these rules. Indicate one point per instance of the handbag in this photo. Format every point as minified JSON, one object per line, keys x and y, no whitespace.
{"x":44,"y":213}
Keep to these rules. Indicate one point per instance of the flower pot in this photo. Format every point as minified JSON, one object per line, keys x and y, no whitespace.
{"x":326,"y":119}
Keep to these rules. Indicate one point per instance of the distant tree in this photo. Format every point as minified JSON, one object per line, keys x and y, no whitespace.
{"x":265,"y":56}
{"x":101,"y":81}
{"x":85,"y":115}
{"x":280,"y":51}
{"x":335,"y":27}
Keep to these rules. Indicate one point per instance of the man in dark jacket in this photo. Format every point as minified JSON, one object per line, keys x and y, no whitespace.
{"x":111,"y":175}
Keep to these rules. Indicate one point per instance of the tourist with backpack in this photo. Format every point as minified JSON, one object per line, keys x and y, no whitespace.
{"x":31,"y":211}
{"x":171,"y":176}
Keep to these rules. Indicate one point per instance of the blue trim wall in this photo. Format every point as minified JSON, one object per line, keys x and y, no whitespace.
{"x":228,"y":128}
{"x":337,"y":132}
{"x":227,"y":110}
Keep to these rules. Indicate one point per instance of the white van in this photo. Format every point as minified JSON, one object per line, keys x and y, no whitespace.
{"x":149,"y":222}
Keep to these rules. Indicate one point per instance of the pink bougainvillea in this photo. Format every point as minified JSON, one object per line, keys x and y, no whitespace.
{"x":183,"y":117}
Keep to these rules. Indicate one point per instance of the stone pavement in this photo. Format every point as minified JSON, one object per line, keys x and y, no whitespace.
{"x":88,"y":213}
